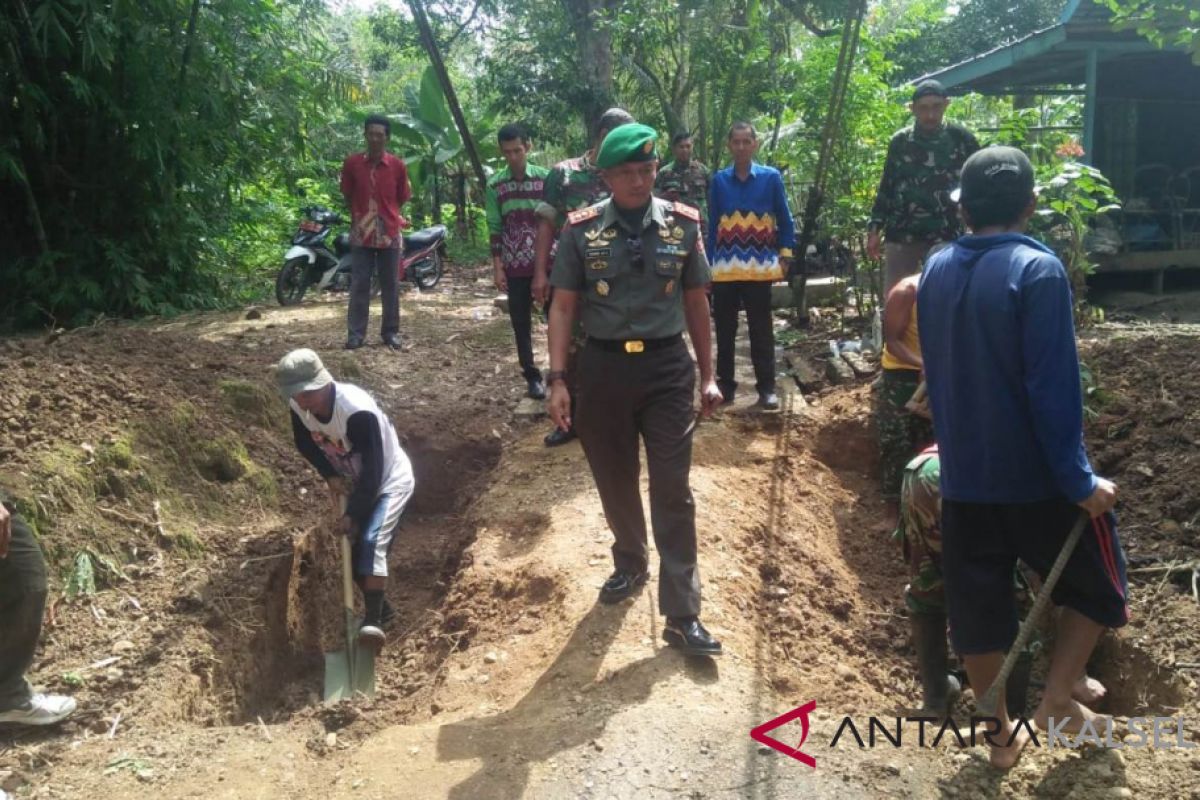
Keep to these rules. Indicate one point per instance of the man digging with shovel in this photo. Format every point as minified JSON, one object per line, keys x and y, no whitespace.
{"x":342,"y":432}
{"x":997,"y":335}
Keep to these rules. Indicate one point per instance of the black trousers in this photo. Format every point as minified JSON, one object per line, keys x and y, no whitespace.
{"x":22,"y":604}
{"x":520,"y":313}
{"x":365,"y":260}
{"x":755,"y":297}
{"x":624,"y":398}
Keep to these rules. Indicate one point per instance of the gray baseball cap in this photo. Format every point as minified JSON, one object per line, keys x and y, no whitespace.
{"x":301,"y":371}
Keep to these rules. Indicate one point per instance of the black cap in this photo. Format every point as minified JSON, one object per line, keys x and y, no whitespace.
{"x":927,"y":87}
{"x":994,"y":173}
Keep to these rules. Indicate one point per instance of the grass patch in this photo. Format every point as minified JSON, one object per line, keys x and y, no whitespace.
{"x":255,"y":403}
{"x":185,"y":540}
{"x":348,"y":368}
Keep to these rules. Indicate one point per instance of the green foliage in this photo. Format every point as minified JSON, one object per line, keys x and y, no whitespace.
{"x":82,"y":578}
{"x":1072,"y":198}
{"x":90,"y":569}
{"x":130,"y":132}
{"x":1167,"y":23}
{"x":926,"y":35}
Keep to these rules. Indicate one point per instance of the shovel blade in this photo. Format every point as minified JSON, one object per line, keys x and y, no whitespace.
{"x":345,"y":677}
{"x":363,"y":680}
{"x":339,"y":683}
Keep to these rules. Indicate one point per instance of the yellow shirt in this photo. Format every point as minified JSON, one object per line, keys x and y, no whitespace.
{"x":911,"y":339}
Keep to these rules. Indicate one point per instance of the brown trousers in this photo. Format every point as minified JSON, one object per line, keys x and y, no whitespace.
{"x":648,"y":396}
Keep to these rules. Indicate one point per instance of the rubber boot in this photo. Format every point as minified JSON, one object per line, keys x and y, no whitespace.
{"x":938,"y":686}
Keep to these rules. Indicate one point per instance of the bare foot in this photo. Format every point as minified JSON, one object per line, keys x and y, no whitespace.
{"x":1077,"y":712}
{"x":1006,"y":757}
{"x":1088,"y":690}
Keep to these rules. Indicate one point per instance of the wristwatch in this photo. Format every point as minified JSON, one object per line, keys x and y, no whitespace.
{"x":556,"y":375}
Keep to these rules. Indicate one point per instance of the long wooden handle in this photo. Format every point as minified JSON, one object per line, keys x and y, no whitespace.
{"x":347,"y":557}
{"x":987,"y":704}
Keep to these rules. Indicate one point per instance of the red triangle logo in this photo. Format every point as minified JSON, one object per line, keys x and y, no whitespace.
{"x":759,"y":734}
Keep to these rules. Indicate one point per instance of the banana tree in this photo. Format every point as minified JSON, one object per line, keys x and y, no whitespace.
{"x":429,"y":138}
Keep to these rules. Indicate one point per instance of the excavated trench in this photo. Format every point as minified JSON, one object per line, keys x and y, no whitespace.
{"x":274,"y":667}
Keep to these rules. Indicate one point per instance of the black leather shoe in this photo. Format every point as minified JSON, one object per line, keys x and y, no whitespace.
{"x":687,"y":635}
{"x":537,"y":389}
{"x":727,"y":394}
{"x":622,"y":584}
{"x":769,"y":401}
{"x":558,"y":436}
{"x":392,"y":340}
{"x":354,"y":344}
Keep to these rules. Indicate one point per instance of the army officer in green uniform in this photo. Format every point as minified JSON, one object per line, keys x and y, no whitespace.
{"x":633,"y":267}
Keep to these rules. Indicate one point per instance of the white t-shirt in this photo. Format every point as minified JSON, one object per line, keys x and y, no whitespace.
{"x":396,"y":476}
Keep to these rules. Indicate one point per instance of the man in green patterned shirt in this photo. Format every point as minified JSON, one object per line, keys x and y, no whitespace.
{"x":512,"y":197}
{"x":913,"y":210}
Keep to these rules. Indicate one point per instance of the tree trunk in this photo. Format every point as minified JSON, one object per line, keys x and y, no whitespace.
{"x":437,"y":198}
{"x":460,"y":209}
{"x":594,"y":44}
{"x":439,"y":67}
{"x":185,"y":60}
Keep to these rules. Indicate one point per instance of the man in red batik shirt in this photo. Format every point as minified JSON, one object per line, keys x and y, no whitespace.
{"x":375,"y":186}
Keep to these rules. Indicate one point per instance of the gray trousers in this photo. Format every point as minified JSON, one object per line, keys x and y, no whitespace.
{"x":904,"y":259}
{"x":624,"y":397}
{"x":364,"y":261}
{"x":22,"y":604}
{"x":900,"y":261}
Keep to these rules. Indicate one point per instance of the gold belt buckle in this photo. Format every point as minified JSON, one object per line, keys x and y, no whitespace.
{"x":635,"y":346}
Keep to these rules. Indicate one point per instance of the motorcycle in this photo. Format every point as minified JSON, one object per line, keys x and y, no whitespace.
{"x":310,"y":262}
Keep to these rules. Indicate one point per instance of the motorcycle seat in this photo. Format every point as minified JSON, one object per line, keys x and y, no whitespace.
{"x":419,"y":240}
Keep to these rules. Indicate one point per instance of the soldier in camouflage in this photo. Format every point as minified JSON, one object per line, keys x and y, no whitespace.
{"x":919,"y":533}
{"x":571,"y":185}
{"x":684,"y":180}
{"x":913,"y":210}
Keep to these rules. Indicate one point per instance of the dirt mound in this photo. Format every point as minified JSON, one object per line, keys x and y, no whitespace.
{"x":1144,"y":433}
{"x":157,"y":462}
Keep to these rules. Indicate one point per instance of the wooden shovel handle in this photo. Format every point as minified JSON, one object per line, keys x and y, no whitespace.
{"x":347,"y":557}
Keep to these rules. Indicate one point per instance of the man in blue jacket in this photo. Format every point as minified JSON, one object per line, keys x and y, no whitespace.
{"x":998,"y":342}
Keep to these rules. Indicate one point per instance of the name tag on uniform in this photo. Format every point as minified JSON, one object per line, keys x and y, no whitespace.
{"x":597,"y":252}
{"x":667,"y":250}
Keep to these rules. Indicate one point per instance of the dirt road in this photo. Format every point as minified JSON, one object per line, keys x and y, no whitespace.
{"x":503,"y":678}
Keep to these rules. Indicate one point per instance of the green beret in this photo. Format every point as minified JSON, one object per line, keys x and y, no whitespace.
{"x":629,"y":142}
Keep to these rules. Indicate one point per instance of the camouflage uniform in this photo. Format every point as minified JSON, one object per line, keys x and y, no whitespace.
{"x":920,"y":533}
{"x":685,"y":185}
{"x":913,"y":202}
{"x":913,"y":207}
{"x":901,"y":433}
{"x":572,"y":185}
